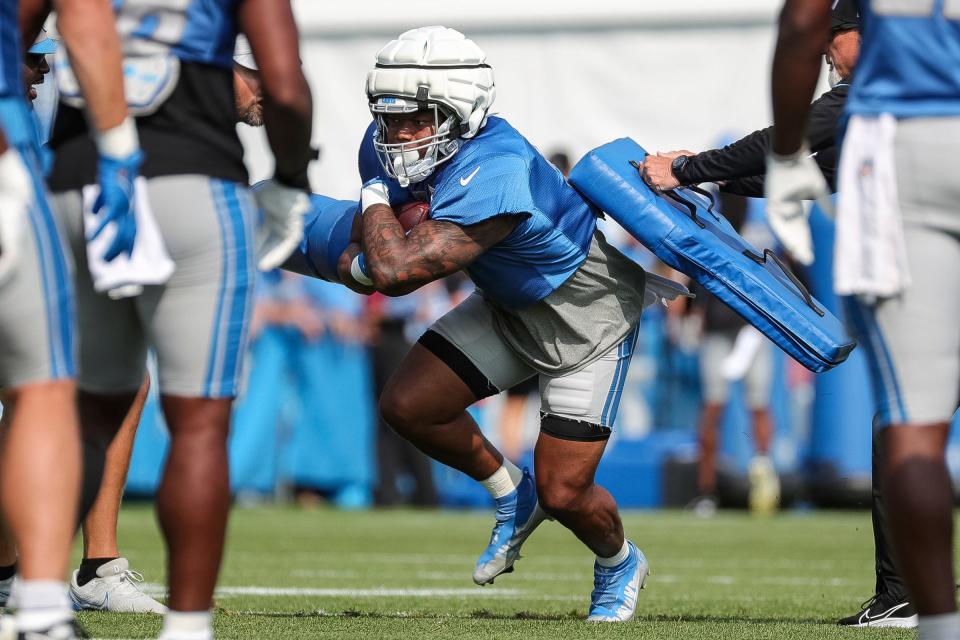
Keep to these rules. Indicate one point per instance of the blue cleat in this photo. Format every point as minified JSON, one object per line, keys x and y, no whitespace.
{"x":615,"y":589}
{"x":518,"y":514}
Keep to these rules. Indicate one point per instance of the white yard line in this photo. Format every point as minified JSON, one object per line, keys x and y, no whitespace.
{"x":375,"y":592}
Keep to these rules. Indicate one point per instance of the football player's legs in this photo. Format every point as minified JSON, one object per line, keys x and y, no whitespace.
{"x":36,"y":370}
{"x":112,"y":354}
{"x":922,"y":344}
{"x":757,"y":390}
{"x":100,"y":524}
{"x":578,"y":412}
{"x":458,"y":361}
{"x":197,"y":324}
{"x":715,"y":347}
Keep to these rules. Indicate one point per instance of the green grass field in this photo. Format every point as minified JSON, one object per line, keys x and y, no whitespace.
{"x":406,"y":574}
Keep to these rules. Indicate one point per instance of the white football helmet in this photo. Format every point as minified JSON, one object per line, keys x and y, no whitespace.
{"x":432,"y":68}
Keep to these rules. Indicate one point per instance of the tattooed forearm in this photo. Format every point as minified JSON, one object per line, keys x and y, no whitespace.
{"x":400,"y":263}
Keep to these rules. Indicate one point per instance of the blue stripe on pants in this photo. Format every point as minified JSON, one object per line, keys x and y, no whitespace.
{"x":889,"y":401}
{"x":239,"y":296}
{"x":216,"y":188}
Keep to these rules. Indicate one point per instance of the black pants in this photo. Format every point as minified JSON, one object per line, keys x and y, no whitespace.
{"x":887,"y":578}
{"x":395,"y":456}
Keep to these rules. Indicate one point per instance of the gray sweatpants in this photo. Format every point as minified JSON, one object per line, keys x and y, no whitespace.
{"x":197,"y":322}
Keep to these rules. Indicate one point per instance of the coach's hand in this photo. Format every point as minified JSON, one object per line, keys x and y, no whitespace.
{"x":16,"y":194}
{"x":282,"y":228}
{"x":790,"y":181}
{"x":657,"y":171}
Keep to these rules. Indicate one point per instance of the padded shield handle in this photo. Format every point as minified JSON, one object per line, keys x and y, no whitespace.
{"x":678,"y":199}
{"x":762,"y":259}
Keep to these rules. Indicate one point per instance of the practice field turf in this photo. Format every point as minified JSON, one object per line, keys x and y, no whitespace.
{"x":406,"y":574}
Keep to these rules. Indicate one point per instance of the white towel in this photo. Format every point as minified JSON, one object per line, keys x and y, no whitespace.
{"x":870,"y":257}
{"x":149,"y":263}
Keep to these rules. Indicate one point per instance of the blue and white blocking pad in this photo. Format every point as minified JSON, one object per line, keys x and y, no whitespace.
{"x":682,"y":229}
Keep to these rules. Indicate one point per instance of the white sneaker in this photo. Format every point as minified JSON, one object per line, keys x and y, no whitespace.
{"x":764,"y":494}
{"x":114,"y":589}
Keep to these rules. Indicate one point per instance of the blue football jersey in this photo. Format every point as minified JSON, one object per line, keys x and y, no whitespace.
{"x":11,"y":83}
{"x":499,"y":173}
{"x":909,"y":63}
{"x":193,"y":30}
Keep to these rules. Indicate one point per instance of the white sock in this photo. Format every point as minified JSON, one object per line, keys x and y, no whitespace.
{"x":42,"y":604}
{"x":618,"y":559}
{"x":187,"y":624}
{"x":945,"y":626}
{"x":504,"y":480}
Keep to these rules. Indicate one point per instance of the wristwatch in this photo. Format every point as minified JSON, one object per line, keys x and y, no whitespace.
{"x":678,"y":165}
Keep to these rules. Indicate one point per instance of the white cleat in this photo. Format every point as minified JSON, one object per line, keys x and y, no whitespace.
{"x":116,"y":588}
{"x":764,"y":497}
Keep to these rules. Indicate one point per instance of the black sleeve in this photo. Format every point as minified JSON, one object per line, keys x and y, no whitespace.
{"x":747,"y":157}
{"x":752,"y":186}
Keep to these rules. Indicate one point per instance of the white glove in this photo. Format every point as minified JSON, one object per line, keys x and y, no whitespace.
{"x":791,"y":180}
{"x":16,"y":196}
{"x":282,"y":227}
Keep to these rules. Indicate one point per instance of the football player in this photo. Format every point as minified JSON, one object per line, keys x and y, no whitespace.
{"x":195,"y":191}
{"x":898,"y":251}
{"x":36,"y":312}
{"x":554,"y":301}
{"x":104,"y":581}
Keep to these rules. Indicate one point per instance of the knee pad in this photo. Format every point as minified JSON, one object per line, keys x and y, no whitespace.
{"x":572,"y":429}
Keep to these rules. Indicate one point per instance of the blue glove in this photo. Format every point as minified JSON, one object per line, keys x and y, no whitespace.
{"x":116,"y":178}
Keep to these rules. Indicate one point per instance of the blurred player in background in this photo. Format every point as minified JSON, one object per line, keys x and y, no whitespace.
{"x":730,"y":350}
{"x":193,"y":207}
{"x":897,"y":251}
{"x":555,"y":300}
{"x":35,"y":63}
{"x":36,"y":349}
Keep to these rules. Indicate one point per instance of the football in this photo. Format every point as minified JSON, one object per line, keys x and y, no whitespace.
{"x":413,"y":213}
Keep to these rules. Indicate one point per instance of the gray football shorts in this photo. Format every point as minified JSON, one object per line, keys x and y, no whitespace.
{"x":912,"y":342}
{"x":36,"y":301}
{"x":588,"y":395}
{"x":197,"y":322}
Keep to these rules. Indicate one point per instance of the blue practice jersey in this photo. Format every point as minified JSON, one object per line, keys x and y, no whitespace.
{"x":193,"y":30}
{"x":499,"y":173}
{"x":909,"y":63}
{"x":11,"y":83}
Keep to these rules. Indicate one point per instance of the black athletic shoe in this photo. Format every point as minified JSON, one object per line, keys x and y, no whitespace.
{"x":883,"y":610}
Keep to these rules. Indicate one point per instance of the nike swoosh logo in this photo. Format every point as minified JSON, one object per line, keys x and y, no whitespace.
{"x":465,"y":181}
{"x":866,"y":617}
